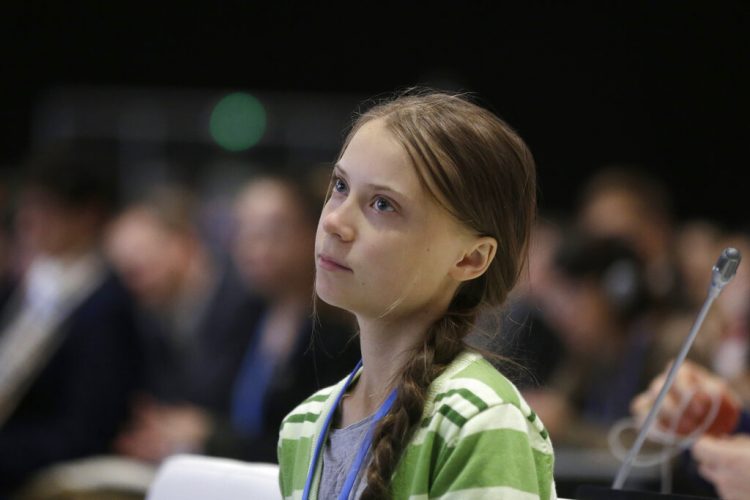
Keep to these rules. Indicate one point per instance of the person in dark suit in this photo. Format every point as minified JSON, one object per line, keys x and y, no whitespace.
{"x":192,"y":309}
{"x":67,"y":346}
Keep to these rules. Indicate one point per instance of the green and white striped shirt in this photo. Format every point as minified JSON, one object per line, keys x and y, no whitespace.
{"x":478,"y":439}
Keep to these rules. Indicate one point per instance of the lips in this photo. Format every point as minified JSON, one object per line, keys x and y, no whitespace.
{"x":331,"y":264}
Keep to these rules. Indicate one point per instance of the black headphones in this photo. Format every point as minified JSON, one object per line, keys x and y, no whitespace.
{"x":622,"y":282}
{"x":611,"y":263}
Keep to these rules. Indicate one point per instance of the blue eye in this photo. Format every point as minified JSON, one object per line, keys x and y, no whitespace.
{"x":383,"y":205}
{"x":339,"y":185}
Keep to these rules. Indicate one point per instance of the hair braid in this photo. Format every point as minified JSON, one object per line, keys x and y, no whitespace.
{"x":443,"y":342}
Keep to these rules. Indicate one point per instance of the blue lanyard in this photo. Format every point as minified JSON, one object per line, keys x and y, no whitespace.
{"x":364,"y":447}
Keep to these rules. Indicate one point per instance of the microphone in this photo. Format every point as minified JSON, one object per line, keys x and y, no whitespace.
{"x":725,"y":268}
{"x":721,"y":274}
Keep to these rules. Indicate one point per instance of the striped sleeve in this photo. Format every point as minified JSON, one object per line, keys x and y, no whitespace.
{"x":297,"y":440}
{"x":493,"y":457}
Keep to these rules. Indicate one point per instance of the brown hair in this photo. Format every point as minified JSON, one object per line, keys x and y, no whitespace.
{"x":648,"y":193}
{"x":173,"y":207}
{"x":482,"y":173}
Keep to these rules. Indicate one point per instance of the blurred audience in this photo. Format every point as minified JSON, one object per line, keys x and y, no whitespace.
{"x":68,"y":353}
{"x":627,"y":203}
{"x":724,"y":341}
{"x":192,"y":306}
{"x":598,"y":302}
{"x":192,"y":320}
{"x":730,"y":355}
{"x":225,"y":365}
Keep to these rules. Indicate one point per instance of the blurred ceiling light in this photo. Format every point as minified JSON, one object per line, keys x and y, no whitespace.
{"x":238,"y":121}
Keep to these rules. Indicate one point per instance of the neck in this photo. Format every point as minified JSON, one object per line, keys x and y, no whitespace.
{"x":200,"y":274}
{"x":386,"y":346}
{"x":192,"y":287}
{"x":387,"y":343}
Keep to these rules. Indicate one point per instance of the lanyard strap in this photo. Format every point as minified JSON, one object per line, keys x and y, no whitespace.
{"x":324,"y":430}
{"x":354,"y":470}
{"x":365,"y":446}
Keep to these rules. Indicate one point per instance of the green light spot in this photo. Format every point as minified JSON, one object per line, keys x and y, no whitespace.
{"x":238,"y":121}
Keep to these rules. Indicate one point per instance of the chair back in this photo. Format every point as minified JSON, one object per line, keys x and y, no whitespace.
{"x":193,"y":477}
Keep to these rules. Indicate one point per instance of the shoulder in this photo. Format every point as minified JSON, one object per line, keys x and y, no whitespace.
{"x":104,"y":318}
{"x":110,"y":293}
{"x":300,"y":422}
{"x":298,"y":434}
{"x":478,"y":438}
{"x":476,"y":397}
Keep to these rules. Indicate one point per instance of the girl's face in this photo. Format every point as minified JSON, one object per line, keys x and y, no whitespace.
{"x":384,"y":247}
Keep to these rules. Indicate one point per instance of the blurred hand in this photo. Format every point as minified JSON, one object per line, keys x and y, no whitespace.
{"x":725,"y":462}
{"x":701,"y":386}
{"x":158,"y":431}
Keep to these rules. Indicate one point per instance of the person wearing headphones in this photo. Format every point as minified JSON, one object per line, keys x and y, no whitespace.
{"x":599,"y":303}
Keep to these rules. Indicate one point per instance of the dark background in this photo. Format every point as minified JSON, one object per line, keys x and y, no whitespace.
{"x":662,"y":84}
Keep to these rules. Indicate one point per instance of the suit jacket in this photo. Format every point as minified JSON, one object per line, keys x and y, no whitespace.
{"x":205,"y":373}
{"x":202,"y":371}
{"x":322,"y":355}
{"x":78,"y":401}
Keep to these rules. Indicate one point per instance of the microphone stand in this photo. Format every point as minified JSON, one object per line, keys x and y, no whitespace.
{"x":722,"y":273}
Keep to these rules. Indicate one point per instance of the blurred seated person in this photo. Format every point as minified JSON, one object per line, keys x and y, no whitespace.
{"x":698,"y":245}
{"x":599,"y":304}
{"x":251,"y":360}
{"x":192,"y":310}
{"x":732,"y":349}
{"x":626,"y":202}
{"x":192,"y":316}
{"x":726,"y":338}
{"x":721,"y":455}
{"x":68,"y":356}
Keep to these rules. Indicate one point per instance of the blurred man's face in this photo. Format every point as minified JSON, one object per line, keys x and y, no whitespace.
{"x":47,"y":226}
{"x":619,"y":214}
{"x":274,"y":241}
{"x":151,"y":259}
{"x":614,"y":214}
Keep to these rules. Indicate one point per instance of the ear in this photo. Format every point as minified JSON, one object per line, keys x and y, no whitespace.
{"x":475,"y":260}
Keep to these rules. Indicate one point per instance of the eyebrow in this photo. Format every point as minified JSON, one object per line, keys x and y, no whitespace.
{"x":376,"y":187}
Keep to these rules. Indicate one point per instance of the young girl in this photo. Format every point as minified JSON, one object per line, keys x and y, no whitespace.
{"x":428,"y":219}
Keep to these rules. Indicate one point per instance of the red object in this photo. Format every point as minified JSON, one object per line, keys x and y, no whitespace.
{"x":695,"y":416}
{"x":726,"y":418}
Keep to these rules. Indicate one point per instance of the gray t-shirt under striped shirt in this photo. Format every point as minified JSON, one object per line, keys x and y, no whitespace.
{"x":338,"y":455}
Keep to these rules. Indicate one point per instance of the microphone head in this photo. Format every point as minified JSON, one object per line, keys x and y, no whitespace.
{"x":726,"y":267}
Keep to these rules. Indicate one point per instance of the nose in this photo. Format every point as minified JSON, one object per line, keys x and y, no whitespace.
{"x":337,"y":221}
